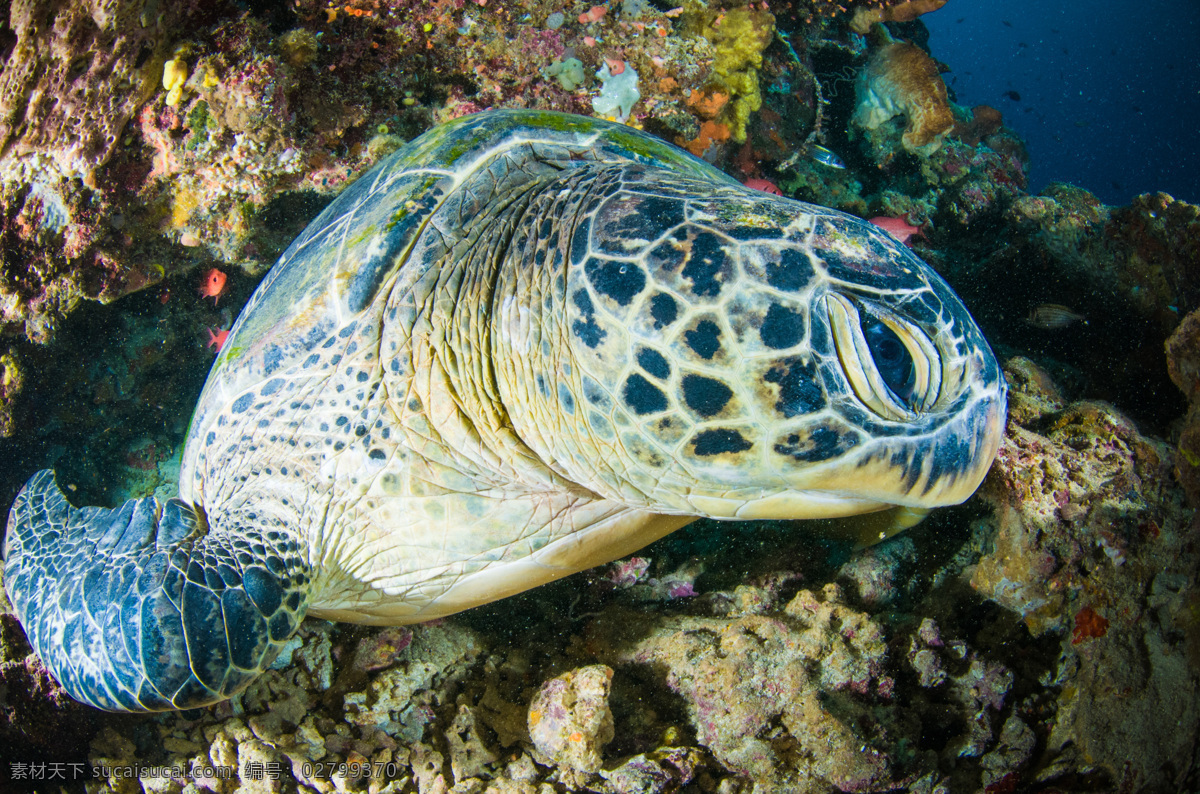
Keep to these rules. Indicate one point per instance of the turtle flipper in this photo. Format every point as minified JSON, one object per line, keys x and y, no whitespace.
{"x":141,"y":608}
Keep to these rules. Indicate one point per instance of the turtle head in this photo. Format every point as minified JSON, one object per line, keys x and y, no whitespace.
{"x":734,"y":354}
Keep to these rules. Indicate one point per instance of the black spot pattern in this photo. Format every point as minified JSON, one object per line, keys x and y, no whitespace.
{"x":643,"y":396}
{"x":705,"y":396}
{"x":822,"y":443}
{"x":799,"y":392}
{"x":654,"y":363}
{"x":621,"y":281}
{"x":794,"y":271}
{"x":951,"y":458}
{"x":587,"y":329}
{"x":782,"y":327}
{"x":718,"y":441}
{"x":704,"y":339}
{"x":566,"y":398}
{"x":644,"y":218}
{"x":579,"y":242}
{"x":272,"y":359}
{"x":706,"y":264}
{"x":664,"y":310}
{"x":595,"y":394}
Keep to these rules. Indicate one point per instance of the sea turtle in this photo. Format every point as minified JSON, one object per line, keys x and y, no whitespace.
{"x":524,"y":344}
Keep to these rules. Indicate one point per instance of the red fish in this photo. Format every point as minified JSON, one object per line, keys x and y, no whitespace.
{"x":899,"y":228}
{"x":764,"y":185}
{"x":217,"y":337}
{"x":212,"y":285}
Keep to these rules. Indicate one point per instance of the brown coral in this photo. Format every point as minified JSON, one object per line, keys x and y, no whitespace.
{"x":985,"y":120}
{"x":900,"y":79}
{"x":906,"y":11}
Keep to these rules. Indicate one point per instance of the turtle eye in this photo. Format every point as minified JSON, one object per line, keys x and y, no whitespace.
{"x":891,"y":364}
{"x":892,"y":359}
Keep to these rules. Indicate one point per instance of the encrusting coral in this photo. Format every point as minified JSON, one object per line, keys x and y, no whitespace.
{"x":900,"y":79}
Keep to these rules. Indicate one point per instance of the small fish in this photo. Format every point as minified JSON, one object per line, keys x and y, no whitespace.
{"x":825,"y":156}
{"x":899,"y":228}
{"x":217,"y":337}
{"x":765,"y":185}
{"x":1051,"y":316}
{"x":1013,"y":95}
{"x":212,"y":285}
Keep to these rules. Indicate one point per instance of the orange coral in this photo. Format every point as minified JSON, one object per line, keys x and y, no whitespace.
{"x":1088,"y":624}
{"x":900,"y":79}
{"x":707,"y":104}
{"x":907,"y":11}
{"x":711,"y":132}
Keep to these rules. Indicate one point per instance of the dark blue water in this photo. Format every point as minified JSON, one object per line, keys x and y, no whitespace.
{"x":1109,"y":91}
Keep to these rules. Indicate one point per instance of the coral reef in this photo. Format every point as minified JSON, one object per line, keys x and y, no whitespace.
{"x":74,"y":75}
{"x":739,"y":37}
{"x":1156,"y":246}
{"x":1086,"y":512}
{"x":740,"y":675}
{"x":985,"y":120}
{"x":1036,"y":638}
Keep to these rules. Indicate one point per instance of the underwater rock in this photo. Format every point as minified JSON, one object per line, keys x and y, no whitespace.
{"x":978,"y":685}
{"x":470,"y":753}
{"x":1015,"y":748}
{"x":1183,"y":364}
{"x":1155,"y":243}
{"x":1087,"y":512}
{"x":740,"y":675}
{"x":878,"y":574}
{"x":1141,"y":259}
{"x":660,"y":772}
{"x":1073,"y":490}
{"x":569,"y":718}
{"x":388,"y":703}
{"x":74,"y":75}
{"x":985,"y":121}
{"x":12,"y":380}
